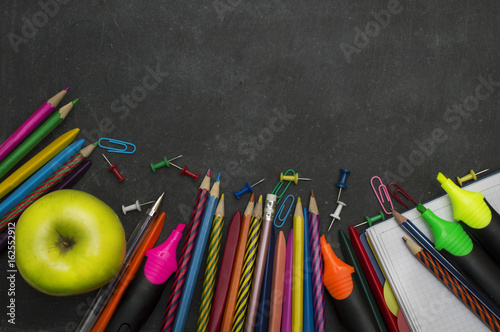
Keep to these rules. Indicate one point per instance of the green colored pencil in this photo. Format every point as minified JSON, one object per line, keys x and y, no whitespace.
{"x":13,"y":158}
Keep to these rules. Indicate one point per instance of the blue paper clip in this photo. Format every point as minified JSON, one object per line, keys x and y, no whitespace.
{"x":124,"y":146}
{"x":280,"y":211}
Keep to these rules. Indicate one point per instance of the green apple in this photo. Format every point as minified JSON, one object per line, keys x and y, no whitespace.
{"x":69,"y":242}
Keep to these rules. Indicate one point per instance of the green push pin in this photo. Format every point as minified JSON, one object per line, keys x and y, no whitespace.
{"x":163,"y":163}
{"x":371,"y":220}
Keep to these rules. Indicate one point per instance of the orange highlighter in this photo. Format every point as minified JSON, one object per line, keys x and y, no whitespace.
{"x":348,"y":300}
{"x":147,"y":244}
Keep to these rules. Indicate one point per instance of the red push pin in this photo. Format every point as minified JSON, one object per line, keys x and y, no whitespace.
{"x":114,"y":170}
{"x":184,"y":170}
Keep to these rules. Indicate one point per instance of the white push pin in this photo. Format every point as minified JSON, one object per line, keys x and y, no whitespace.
{"x":336,"y":214}
{"x":133,"y":207}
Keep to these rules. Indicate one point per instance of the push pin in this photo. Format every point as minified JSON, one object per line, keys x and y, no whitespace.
{"x":470,"y":176}
{"x":336,"y":214}
{"x":247,"y":188}
{"x":343,"y":178}
{"x":133,"y":207}
{"x":294,"y":178}
{"x":184,"y":170}
{"x":114,"y":170}
{"x":372,"y":220}
{"x":163,"y":163}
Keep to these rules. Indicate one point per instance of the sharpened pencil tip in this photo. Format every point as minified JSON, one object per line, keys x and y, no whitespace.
{"x":298,"y":200}
{"x":252,"y":197}
{"x":95,"y":143}
{"x":312,"y":193}
{"x":208,"y":172}
{"x":67,"y":88}
{"x":75,"y":101}
{"x":405,"y":239}
{"x":222,"y":197}
{"x":218,"y":178}
{"x":260,"y":199}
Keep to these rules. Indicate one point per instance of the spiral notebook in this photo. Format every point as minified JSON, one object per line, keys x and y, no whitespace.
{"x":427,"y":304}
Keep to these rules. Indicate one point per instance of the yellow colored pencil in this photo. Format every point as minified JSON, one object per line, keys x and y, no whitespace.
{"x":298,"y":268}
{"x":32,"y":165}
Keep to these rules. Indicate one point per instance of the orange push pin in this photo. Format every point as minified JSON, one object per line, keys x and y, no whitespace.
{"x":470,"y":176}
{"x":294,"y":178}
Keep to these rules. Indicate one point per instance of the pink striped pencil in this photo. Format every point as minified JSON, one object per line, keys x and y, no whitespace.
{"x":33,"y":121}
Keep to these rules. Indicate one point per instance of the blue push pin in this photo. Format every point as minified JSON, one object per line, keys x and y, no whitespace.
{"x":246,"y":188}
{"x":343,"y":178}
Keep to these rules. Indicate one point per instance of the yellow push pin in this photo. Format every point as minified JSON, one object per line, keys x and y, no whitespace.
{"x":294,"y":178}
{"x":470,"y":176}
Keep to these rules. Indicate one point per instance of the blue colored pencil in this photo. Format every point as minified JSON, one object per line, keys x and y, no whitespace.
{"x":41,"y":175}
{"x":197,"y":257}
{"x":308,"y":320}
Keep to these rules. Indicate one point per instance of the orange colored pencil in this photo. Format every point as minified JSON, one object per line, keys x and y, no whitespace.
{"x":148,"y":243}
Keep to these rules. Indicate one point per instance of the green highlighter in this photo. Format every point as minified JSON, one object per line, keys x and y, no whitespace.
{"x":478,"y":217}
{"x":452,"y":238}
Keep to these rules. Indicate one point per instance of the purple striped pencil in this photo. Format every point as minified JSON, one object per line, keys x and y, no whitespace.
{"x":186,"y":253}
{"x":33,"y":121}
{"x":317,"y":267}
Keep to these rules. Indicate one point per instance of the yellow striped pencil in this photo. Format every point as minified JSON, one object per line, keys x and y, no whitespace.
{"x":211,"y":269}
{"x":298,"y":268}
{"x":247,"y":270}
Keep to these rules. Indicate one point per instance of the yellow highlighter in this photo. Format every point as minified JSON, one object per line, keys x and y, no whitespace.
{"x":32,"y":165}
{"x":298,"y":268}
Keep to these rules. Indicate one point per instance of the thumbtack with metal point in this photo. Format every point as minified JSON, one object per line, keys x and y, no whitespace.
{"x":184,"y":170}
{"x":133,"y":207}
{"x":336,"y":215}
{"x":246,"y":188}
{"x":114,"y":170}
{"x":163,"y":163}
{"x":470,"y":176}
{"x":371,"y":220}
{"x":294,"y":178}
{"x":343,"y":178}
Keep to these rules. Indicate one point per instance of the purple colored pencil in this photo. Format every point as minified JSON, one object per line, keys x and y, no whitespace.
{"x":286,"y":318}
{"x":72,"y":178}
{"x":30,"y":124}
{"x":317,"y":267}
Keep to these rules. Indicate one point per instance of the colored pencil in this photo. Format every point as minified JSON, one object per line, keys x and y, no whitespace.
{"x":211,"y":269}
{"x":308,"y":299}
{"x":298,"y":269}
{"x":467,"y":298}
{"x":41,"y":175}
{"x":13,"y":158}
{"x":226,"y":268}
{"x":260,"y":262}
{"x":373,"y":281}
{"x":317,"y":266}
{"x":72,"y":178}
{"x":148,"y":243}
{"x":186,"y":254}
{"x":30,"y":124}
{"x":227,"y":318}
{"x":276,"y":304}
{"x":286,"y":318}
{"x":427,"y":244}
{"x":35,"y":163}
{"x":47,"y":185}
{"x":199,"y":249}
{"x":247,"y":269}
{"x":262,"y":318}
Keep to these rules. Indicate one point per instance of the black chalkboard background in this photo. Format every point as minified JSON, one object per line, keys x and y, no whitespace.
{"x":399,"y":89}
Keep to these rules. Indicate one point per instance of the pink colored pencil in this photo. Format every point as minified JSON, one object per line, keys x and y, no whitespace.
{"x":277,"y":285}
{"x":286,"y":319}
{"x":33,"y":121}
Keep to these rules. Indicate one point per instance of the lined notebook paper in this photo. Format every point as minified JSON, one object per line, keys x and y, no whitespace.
{"x":427,"y":304}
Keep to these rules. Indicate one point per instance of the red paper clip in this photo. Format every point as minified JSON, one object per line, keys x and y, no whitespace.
{"x":380,"y":192}
{"x":402,"y":192}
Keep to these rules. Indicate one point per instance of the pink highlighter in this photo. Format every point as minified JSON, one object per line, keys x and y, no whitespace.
{"x":143,"y":294}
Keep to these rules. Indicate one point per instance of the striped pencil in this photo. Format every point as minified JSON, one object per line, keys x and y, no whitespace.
{"x":47,"y":185}
{"x":317,"y":267}
{"x":197,"y":256}
{"x":29,"y":125}
{"x":469,"y":299}
{"x":211,"y":269}
{"x":308,"y":298}
{"x":247,"y":270}
{"x":186,"y":253}
{"x":232,"y":293}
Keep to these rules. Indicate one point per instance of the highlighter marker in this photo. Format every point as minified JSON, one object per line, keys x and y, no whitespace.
{"x":451,"y":237}
{"x":144,"y":292}
{"x":480,"y":219}
{"x":347,"y":299}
